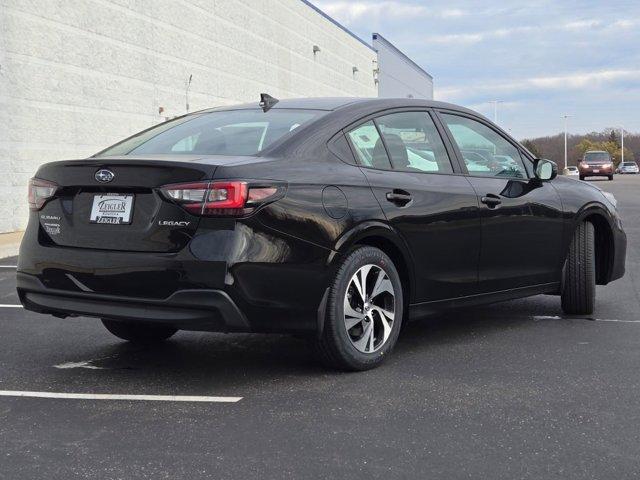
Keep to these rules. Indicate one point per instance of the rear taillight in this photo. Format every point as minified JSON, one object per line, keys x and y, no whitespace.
{"x":39,"y":192}
{"x":226,"y":198}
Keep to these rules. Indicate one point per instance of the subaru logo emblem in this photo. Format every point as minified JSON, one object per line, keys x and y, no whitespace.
{"x":104,"y":175}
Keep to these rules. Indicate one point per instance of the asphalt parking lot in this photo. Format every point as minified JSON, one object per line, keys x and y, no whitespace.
{"x":512,"y":390}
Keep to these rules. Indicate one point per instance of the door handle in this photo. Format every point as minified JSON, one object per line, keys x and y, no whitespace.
{"x":399,"y":197}
{"x":491,"y":200}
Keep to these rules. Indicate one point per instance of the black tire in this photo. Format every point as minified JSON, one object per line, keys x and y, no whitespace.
{"x":581,"y":177}
{"x":578,"y":291}
{"x":335,"y":347}
{"x":610,"y":177}
{"x":138,"y":332}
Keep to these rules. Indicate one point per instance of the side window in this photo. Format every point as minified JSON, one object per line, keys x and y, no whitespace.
{"x":368,"y":146}
{"x":339,"y":146}
{"x":414,"y":143}
{"x":485,"y":152}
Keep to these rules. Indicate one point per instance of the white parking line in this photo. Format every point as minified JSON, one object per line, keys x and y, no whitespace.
{"x":101,"y":396}
{"x":557,"y":317}
{"x":10,"y":305}
{"x":8,"y":266}
{"x":614,"y":320}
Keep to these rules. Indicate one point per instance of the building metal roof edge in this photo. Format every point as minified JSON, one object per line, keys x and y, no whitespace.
{"x":377,"y":36}
{"x":338,"y":24}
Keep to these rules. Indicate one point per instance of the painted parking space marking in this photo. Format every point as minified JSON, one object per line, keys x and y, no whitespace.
{"x":612,"y":320}
{"x":9,"y":266}
{"x":106,"y":396}
{"x":89,"y":364}
{"x":590,"y":319}
{"x":10,"y":305}
{"x":81,"y":364}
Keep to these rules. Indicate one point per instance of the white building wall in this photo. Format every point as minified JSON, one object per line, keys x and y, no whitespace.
{"x":399,"y":76}
{"x":78,"y":75}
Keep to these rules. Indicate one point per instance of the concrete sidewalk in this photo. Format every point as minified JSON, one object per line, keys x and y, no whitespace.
{"x":10,"y":243}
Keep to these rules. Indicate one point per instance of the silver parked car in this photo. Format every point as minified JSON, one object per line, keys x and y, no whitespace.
{"x":628,"y":167}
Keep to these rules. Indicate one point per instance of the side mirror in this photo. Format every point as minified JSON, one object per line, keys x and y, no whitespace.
{"x":545,"y":170}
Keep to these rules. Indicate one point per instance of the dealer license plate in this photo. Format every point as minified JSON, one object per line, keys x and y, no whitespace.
{"x":112,"y":208}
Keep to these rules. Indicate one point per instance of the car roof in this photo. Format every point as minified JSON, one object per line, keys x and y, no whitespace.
{"x":335,"y":103}
{"x":319,"y":103}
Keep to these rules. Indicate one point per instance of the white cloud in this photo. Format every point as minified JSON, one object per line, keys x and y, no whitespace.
{"x":579,"y":80}
{"x":477,"y":37}
{"x":625,"y":24}
{"x":470,"y":38}
{"x":459,"y":38}
{"x":502,"y":105}
{"x":452,"y":13}
{"x":582,"y":24}
{"x":350,"y":12}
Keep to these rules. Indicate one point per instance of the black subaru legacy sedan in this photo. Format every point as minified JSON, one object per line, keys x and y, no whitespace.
{"x":334,"y":218}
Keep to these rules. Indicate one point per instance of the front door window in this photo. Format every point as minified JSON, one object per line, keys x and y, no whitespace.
{"x":485,"y":152}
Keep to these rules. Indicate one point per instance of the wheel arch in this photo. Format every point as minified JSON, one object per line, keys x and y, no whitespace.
{"x":604,"y":246}
{"x":382,"y":236}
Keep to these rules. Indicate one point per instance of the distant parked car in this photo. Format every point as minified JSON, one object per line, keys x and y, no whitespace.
{"x":628,"y":167}
{"x":571,"y":171}
{"x":596,"y":163}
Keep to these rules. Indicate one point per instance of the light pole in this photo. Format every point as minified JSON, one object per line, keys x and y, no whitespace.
{"x":495,"y":110}
{"x":621,"y":144}
{"x":565,"y":139}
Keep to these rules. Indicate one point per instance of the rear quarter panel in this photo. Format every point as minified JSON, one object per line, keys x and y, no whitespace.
{"x":325,"y":199}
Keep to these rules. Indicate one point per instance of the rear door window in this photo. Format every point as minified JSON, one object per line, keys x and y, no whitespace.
{"x":413,"y":143}
{"x":368,"y":146}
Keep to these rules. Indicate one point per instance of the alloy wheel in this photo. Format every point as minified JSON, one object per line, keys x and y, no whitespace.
{"x":369,"y":308}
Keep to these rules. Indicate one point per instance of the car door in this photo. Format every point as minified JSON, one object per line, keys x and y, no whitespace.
{"x":436,"y":211}
{"x":521,"y":219}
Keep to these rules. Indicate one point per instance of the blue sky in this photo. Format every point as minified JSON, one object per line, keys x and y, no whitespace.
{"x":541,"y":59}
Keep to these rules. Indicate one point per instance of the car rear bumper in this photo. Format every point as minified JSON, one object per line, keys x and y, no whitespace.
{"x":206,"y":310}
{"x":276,"y":281}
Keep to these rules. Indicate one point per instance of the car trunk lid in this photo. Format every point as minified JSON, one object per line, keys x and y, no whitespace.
{"x":82,"y":200}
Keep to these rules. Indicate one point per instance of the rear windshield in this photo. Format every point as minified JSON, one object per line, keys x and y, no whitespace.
{"x":231,"y":132}
{"x":596,"y":157}
{"x":628,"y":164}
